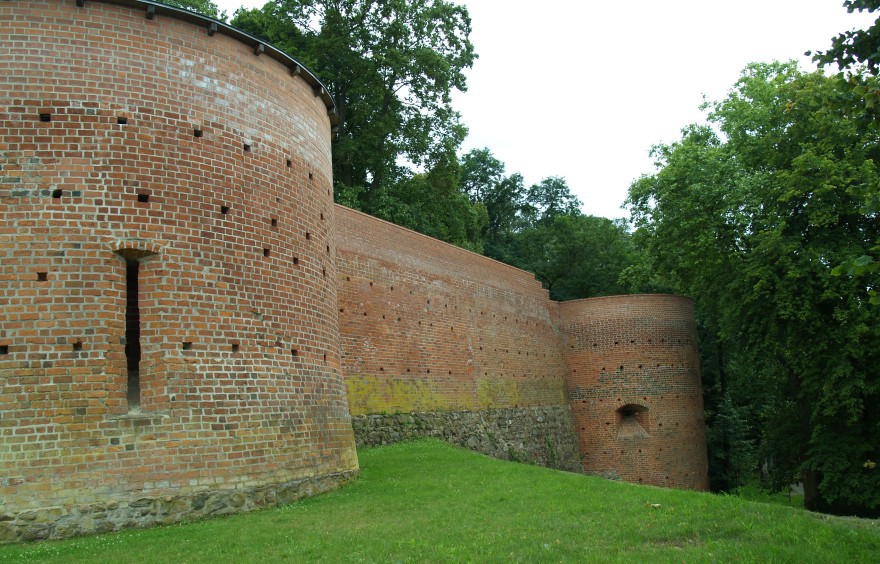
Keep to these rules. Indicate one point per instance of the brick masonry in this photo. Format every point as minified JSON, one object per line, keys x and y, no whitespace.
{"x":145,"y":152}
{"x":634,"y":388}
{"x":128,"y":139}
{"x":428,"y":328}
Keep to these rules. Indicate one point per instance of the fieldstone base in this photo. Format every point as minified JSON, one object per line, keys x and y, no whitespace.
{"x":537,"y":435}
{"x":64,"y":522}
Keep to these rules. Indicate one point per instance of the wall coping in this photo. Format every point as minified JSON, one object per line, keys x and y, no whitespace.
{"x":628,"y":296}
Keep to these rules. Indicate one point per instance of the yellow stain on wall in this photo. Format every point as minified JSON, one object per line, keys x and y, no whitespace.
{"x":368,"y":393}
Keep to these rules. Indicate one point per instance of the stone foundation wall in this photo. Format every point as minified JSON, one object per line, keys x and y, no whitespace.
{"x":113,"y":515}
{"x":537,"y":435}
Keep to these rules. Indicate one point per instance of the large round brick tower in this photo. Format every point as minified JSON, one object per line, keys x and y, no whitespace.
{"x":634,"y":387}
{"x":169,"y":334}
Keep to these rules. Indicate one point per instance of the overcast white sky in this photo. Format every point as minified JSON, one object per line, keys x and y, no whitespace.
{"x":583,"y":89}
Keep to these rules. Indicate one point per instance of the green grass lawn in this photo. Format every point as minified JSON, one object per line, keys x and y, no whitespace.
{"x":428,"y":501}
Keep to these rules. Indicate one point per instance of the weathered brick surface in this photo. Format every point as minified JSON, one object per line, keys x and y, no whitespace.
{"x":240,"y":370}
{"x":427,"y":326}
{"x":634,"y":386}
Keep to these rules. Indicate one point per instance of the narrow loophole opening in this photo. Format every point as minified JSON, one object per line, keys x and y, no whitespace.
{"x":132,"y":334}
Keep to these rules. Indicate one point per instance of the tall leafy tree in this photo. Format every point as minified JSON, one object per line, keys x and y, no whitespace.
{"x":574,"y":255}
{"x":748,"y":215}
{"x":434,"y":204}
{"x":204,"y":7}
{"x":857,"y":55}
{"x":391,"y":67}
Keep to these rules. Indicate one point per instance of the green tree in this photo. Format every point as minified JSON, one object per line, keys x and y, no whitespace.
{"x":204,"y":7}
{"x":749,"y":221}
{"x":857,"y":55}
{"x":550,"y":198}
{"x":434,"y":204}
{"x":391,"y":67}
{"x":574,"y":255}
{"x":480,"y":173}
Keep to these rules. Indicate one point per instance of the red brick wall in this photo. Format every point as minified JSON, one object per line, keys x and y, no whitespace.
{"x":638,"y":353}
{"x":123,"y":137}
{"x":256,"y":395}
{"x":427,"y":326}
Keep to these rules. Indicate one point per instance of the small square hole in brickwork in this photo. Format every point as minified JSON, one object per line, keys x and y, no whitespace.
{"x":197,"y":132}
{"x":322,"y":217}
{"x":328,"y":250}
{"x":186,"y":345}
{"x":122,"y":120}
{"x":266,"y":252}
{"x":246,"y":146}
{"x":77,"y":346}
{"x":289,"y":163}
{"x":295,"y":260}
{"x":224,"y":210}
{"x":56,"y":194}
{"x":274,"y":222}
{"x":236,"y":347}
{"x":45,"y":117}
{"x":42,"y":276}
{"x":308,"y":236}
{"x":324,"y":272}
{"x":325,"y":358}
{"x":311,"y":176}
{"x":294,"y":353}
{"x":144,"y":198}
{"x":4,"y":349}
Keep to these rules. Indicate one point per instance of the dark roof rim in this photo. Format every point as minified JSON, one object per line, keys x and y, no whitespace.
{"x":258,"y":45}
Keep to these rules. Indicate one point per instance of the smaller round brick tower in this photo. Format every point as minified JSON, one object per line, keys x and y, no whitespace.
{"x":634,"y":387}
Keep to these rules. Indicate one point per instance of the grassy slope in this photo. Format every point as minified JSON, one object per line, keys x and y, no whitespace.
{"x":427,"y":501}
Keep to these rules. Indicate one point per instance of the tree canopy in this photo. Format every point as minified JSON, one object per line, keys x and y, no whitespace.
{"x":748,"y":215}
{"x":391,"y":67}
